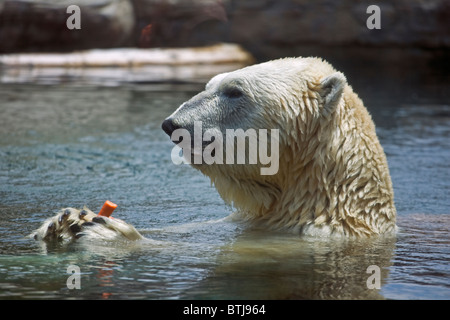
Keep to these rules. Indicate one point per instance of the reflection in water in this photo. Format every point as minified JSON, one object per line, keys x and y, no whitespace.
{"x":73,"y":146}
{"x":255,"y":265}
{"x":259,"y":266}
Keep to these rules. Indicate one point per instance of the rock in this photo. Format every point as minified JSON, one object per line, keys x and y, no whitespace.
{"x":267,"y":28}
{"x":278,"y":28}
{"x":36,"y":26}
{"x":120,"y":65}
{"x":178,"y":22}
{"x":131,"y":57}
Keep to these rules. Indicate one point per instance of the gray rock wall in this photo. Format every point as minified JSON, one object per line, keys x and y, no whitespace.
{"x":36,"y":26}
{"x":265,"y":27}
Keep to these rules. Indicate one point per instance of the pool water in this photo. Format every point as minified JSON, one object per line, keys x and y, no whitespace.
{"x":72,"y":145}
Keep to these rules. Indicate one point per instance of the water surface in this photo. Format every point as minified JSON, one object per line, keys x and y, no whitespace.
{"x":73,"y":145}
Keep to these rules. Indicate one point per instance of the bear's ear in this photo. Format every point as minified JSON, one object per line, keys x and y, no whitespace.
{"x":331,"y":89}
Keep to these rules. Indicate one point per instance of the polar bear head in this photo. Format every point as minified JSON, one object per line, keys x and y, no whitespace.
{"x":255,"y":101}
{"x":280,"y":141}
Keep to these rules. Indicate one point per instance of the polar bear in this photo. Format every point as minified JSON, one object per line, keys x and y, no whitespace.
{"x":329,"y":174}
{"x":332,"y":177}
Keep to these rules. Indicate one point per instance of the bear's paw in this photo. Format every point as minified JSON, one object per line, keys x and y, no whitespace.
{"x":70,"y":224}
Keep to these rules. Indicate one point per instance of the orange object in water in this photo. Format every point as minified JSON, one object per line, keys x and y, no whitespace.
{"x":107,"y":209}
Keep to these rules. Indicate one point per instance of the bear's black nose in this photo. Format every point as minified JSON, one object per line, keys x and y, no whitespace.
{"x":168,"y":126}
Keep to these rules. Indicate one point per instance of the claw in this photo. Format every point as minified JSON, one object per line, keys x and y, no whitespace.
{"x":99,"y":220}
{"x":75,"y":228}
{"x":82,"y":214}
{"x":79,"y":235}
{"x":87,"y":224}
{"x":64,"y":216}
{"x":51,"y":227}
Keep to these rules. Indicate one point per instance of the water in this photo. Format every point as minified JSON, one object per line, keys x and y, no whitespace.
{"x":74,"y":145}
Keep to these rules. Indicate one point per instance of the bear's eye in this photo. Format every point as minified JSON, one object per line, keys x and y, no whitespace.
{"x":233,"y":93}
